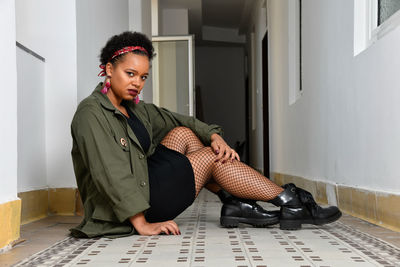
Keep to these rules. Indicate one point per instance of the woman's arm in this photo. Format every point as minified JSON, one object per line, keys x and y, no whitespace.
{"x":145,"y":228}
{"x":163,"y":121}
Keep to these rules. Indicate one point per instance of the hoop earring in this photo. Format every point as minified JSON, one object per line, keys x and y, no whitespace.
{"x":107,"y":85}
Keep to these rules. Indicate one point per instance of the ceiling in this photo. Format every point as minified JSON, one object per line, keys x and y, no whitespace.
{"x":232,"y":14}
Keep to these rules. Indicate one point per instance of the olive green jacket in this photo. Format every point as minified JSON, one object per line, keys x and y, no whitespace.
{"x":110,"y":165}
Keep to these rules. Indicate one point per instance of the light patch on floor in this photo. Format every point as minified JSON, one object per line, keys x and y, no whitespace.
{"x":204,"y":243}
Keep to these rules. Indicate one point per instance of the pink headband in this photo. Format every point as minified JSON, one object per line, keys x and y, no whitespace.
{"x":120,"y":52}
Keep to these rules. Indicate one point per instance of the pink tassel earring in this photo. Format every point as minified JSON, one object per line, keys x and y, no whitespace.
{"x":107,"y":86}
{"x":136,"y":99}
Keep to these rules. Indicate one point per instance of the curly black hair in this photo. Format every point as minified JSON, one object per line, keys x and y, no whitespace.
{"x":122,"y":40}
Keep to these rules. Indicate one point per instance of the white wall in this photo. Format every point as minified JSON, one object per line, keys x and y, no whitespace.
{"x":93,"y":31}
{"x":155,"y":17}
{"x":69,"y":37}
{"x":140,"y":20}
{"x":345,"y":128}
{"x":8,"y":109}
{"x":220,"y":75}
{"x":256,"y":132}
{"x":49,"y":28}
{"x":175,"y":22}
{"x":140,"y":16}
{"x":31,"y":122}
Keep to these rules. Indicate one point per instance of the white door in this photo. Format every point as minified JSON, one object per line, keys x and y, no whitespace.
{"x":173,"y":77}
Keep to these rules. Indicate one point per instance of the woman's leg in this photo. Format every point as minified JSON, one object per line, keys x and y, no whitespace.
{"x":184,"y":141}
{"x":297,"y":205}
{"x":235,"y":177}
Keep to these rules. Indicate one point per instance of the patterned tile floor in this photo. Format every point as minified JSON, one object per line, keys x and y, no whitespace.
{"x":204,"y":243}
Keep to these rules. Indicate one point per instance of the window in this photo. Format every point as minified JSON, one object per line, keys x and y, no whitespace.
{"x":373,"y":19}
{"x":386,"y":8}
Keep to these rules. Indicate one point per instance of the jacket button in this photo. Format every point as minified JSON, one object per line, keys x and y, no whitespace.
{"x":142,"y":183}
{"x":141,"y":156}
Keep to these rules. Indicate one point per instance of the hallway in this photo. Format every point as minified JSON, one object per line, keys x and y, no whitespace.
{"x":347,"y":242}
{"x":333,"y":124}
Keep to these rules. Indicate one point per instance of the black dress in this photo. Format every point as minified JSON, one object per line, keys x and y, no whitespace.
{"x":171,"y":177}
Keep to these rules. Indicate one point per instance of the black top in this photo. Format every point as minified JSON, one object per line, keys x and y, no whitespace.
{"x":139,"y":129}
{"x":171,"y":177}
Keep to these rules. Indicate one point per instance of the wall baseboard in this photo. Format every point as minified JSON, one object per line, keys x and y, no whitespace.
{"x":34,"y":205}
{"x":10,"y":222}
{"x":38,"y":204}
{"x":62,"y":201}
{"x":376,"y":207}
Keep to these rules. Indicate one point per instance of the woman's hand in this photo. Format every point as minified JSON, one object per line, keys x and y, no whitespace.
{"x":145,"y":228}
{"x":222,"y":150}
{"x":167,"y":227}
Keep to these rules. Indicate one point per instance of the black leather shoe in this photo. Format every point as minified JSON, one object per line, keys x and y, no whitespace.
{"x":299,"y":207}
{"x":246,"y":211}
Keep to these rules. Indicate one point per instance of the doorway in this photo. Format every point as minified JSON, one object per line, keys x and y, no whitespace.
{"x":173,"y":78}
{"x":265,"y":104}
{"x":220,"y":84}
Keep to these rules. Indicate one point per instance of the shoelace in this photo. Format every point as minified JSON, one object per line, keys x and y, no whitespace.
{"x":305,"y":197}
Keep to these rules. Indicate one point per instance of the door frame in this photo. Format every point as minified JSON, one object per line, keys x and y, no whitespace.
{"x":265,"y":97}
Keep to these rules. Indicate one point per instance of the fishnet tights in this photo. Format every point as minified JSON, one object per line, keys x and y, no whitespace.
{"x":235,"y":177}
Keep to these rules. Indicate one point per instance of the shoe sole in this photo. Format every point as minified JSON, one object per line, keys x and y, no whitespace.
{"x":296,"y":224}
{"x":233,"y":222}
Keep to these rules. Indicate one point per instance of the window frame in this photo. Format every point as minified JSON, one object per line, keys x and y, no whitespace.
{"x":366,"y":29}
{"x":295,"y":56}
{"x":377,"y":32}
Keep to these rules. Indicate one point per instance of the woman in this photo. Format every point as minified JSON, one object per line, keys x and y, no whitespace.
{"x":139,"y":166}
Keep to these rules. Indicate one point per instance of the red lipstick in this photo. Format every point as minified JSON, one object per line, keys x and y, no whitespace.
{"x":133,"y":92}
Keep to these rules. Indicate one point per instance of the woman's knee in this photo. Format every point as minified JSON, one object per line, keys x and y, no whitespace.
{"x":181,"y":131}
{"x":204,"y":155}
{"x":186,"y":137}
{"x":182,"y":139}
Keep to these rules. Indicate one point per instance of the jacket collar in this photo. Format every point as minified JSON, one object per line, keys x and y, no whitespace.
{"x":103,"y":99}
